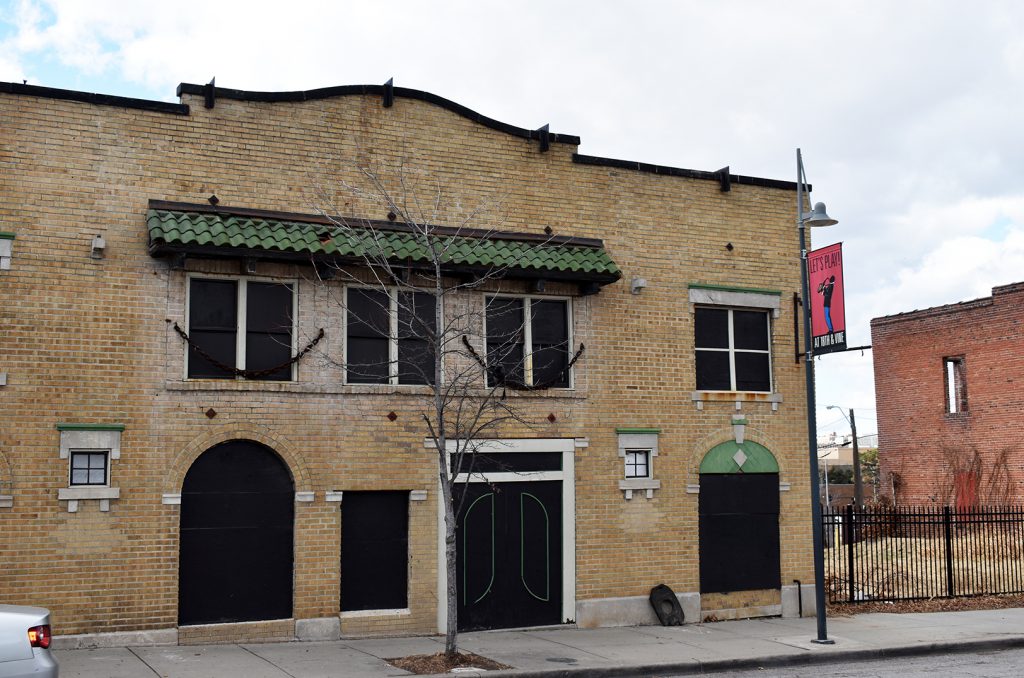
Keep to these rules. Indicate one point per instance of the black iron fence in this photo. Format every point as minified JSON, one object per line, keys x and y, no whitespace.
{"x":905,"y":553}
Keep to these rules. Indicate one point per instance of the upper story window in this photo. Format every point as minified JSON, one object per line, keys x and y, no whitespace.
{"x":733,"y":349}
{"x":528,"y":341}
{"x":956,"y":385}
{"x":240,"y":324}
{"x":390,"y":336}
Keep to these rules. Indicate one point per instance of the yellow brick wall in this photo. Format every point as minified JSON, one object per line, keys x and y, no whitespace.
{"x":90,"y":341}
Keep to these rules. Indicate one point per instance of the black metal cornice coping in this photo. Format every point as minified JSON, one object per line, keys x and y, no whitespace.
{"x":377,"y":224}
{"x":381,"y":91}
{"x":679,"y":172}
{"x":93,"y":98}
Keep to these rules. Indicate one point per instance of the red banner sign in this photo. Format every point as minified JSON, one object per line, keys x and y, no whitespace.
{"x":828,"y":308}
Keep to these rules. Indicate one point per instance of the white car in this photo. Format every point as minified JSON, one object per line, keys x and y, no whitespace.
{"x":25,"y":643}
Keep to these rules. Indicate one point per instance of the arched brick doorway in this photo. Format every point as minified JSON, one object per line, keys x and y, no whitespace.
{"x":739,"y":519}
{"x":237,"y":524}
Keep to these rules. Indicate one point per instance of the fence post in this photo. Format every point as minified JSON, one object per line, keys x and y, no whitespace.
{"x":947,"y":528}
{"x":849,"y":547}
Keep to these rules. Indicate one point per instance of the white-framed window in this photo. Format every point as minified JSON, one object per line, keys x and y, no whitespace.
{"x":638,"y":463}
{"x":733,"y":349}
{"x":955,"y":372}
{"x":89,"y":449}
{"x":390,"y":336}
{"x":528,"y":340}
{"x":89,"y":468}
{"x":6,"y":243}
{"x":637,"y":449}
{"x":241,"y":323}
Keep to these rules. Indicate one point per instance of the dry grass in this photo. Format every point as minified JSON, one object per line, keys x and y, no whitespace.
{"x":887,"y":567}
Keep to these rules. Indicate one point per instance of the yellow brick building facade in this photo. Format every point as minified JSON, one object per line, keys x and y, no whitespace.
{"x":91,"y":361}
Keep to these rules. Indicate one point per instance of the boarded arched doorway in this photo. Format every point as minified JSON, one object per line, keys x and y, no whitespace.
{"x":739,"y":519}
{"x":237,"y":516}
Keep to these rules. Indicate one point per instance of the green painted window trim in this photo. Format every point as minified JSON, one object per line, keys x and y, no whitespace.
{"x":90,"y":427}
{"x":719,"y":459}
{"x":638,"y":430}
{"x":6,"y":235}
{"x":723,"y":288}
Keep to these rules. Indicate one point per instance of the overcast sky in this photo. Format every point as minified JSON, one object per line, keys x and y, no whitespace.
{"x":908,"y":113}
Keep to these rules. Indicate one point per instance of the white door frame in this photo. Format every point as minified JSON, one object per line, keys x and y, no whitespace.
{"x":567,"y":476}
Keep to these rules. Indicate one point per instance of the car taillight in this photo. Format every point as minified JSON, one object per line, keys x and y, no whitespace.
{"x":39,"y":636}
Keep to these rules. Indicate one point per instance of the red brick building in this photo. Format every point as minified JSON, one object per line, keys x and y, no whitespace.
{"x":949,"y":388}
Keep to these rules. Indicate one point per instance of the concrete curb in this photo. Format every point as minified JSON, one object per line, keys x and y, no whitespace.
{"x":753,"y":663}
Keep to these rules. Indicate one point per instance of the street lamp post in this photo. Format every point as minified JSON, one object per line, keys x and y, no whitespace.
{"x":817,"y":217}
{"x":858,"y":482}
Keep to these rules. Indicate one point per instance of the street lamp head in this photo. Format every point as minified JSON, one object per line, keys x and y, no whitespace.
{"x":818,"y":217}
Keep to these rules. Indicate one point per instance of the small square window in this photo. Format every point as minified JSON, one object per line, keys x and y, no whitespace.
{"x":88,"y":468}
{"x":638,"y":463}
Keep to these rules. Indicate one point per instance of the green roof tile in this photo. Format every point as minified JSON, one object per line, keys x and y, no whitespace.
{"x":171,"y":230}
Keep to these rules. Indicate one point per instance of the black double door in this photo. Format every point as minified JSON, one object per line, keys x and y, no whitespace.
{"x":510,"y":555}
{"x":237,"y":514}
{"x":739,"y":532}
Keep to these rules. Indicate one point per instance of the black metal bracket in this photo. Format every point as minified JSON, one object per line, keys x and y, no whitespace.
{"x":724,"y":181}
{"x":209,"y":93}
{"x":544,"y":134}
{"x":589,"y":288}
{"x":389,"y":93}
{"x":797,"y":308}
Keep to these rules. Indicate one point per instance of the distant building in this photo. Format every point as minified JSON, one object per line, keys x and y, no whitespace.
{"x":949,"y":388}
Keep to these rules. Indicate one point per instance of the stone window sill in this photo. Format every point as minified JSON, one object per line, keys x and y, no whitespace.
{"x":701,"y":397}
{"x":631,"y":485}
{"x":73,"y":495}
{"x":348,"y":389}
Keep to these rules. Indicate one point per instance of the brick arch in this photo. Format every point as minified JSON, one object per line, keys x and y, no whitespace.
{"x":724,"y":435}
{"x":242,"y":431}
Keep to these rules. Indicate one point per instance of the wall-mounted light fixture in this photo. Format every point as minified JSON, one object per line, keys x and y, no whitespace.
{"x":99,"y":246}
{"x":637,"y":284}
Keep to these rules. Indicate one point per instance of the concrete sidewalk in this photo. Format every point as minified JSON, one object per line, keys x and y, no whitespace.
{"x":565,"y":651}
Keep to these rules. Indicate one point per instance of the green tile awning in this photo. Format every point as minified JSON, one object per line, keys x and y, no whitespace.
{"x":199,"y":230}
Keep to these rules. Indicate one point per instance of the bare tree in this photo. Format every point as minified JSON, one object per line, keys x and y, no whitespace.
{"x":410,"y":322}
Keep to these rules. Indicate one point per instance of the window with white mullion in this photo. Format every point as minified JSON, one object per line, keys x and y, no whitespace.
{"x":241,"y":319}
{"x":733,"y":349}
{"x":528,"y":338}
{"x":389,"y":336}
{"x":392,"y":344}
{"x":241,"y":323}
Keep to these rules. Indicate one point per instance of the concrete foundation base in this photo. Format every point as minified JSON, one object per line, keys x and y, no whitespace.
{"x":798,"y":601}
{"x":83,"y":641}
{"x":325,"y":628}
{"x":631,"y":611}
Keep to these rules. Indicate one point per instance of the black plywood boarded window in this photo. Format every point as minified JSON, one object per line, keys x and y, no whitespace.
{"x":268,"y":329}
{"x":369,"y":323}
{"x":505,"y":340}
{"x":733,"y":350}
{"x":549,"y":329}
{"x":374,"y":551}
{"x":212,"y":326}
{"x":416,"y":337}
